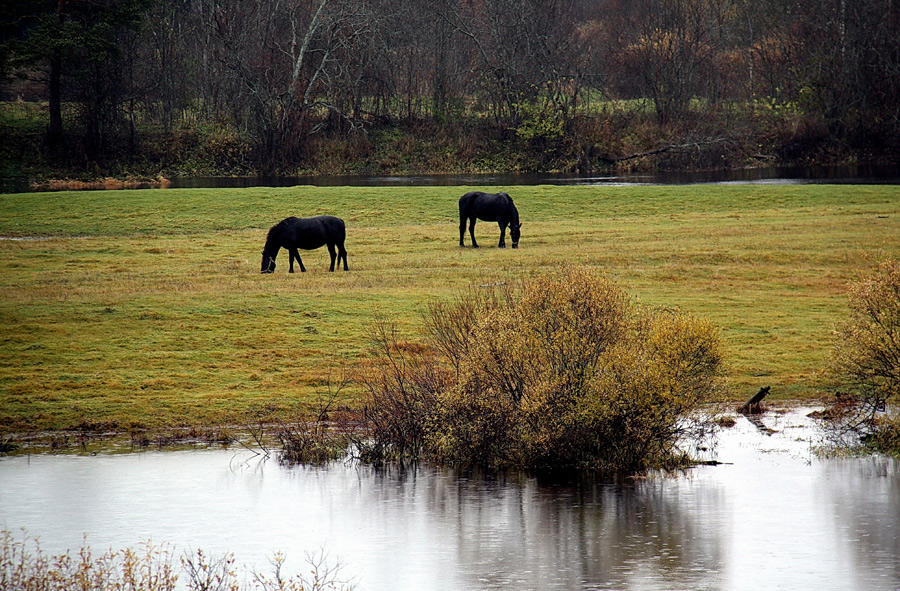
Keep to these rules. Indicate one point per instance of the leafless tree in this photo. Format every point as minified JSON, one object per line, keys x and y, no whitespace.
{"x":851,"y":65}
{"x":275,"y":72}
{"x":292,"y":59}
{"x":670,"y":49}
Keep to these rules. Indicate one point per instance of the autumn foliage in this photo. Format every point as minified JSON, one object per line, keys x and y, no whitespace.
{"x":865,"y":362}
{"x":563,"y":370}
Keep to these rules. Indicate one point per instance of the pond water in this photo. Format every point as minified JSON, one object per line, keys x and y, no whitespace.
{"x":848,"y":174}
{"x":845,"y":174}
{"x":775,"y":516}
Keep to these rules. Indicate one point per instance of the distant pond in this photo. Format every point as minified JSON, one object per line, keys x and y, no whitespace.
{"x":855,"y":174}
{"x":773,"y":516}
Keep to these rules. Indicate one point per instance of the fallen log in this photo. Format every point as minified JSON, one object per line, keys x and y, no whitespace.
{"x":684,"y":146}
{"x":752,"y":405}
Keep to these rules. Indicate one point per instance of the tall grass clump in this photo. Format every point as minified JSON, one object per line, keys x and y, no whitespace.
{"x":562,"y":370}
{"x":865,"y":361}
{"x":322,"y":436}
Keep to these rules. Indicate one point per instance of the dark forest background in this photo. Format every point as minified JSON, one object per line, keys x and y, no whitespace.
{"x":399,"y":86}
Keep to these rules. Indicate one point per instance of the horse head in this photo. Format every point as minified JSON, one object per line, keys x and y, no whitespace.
{"x":268,"y":262}
{"x":514,"y":233}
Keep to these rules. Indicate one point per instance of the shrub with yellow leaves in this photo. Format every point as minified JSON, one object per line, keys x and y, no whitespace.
{"x":558,"y":371}
{"x":865,"y":362}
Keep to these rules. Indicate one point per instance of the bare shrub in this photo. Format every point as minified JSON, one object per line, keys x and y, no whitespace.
{"x":321,"y":575}
{"x":865,"y":361}
{"x":403,"y":382}
{"x":24,"y":567}
{"x":209,"y":573}
{"x":562,"y":370}
{"x":317,"y":438}
{"x":310,"y":442}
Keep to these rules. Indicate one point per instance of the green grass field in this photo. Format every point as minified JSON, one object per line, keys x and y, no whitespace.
{"x":146,"y":308}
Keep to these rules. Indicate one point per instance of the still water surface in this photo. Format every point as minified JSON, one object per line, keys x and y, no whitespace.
{"x":777,"y":175}
{"x":775,"y":517}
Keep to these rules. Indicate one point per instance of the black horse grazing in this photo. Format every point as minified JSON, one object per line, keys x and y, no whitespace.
{"x":490,"y":207}
{"x":306,"y":233}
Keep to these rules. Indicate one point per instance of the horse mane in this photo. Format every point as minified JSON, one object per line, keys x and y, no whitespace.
{"x":272,"y":236}
{"x":274,"y":230}
{"x":515,"y":210}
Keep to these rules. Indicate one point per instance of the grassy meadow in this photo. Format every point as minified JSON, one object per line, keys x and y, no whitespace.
{"x":147,"y":309}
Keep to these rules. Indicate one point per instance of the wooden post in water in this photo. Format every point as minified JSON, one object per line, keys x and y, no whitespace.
{"x":751,"y":407}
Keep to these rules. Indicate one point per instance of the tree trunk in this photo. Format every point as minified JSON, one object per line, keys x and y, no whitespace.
{"x":54,"y":129}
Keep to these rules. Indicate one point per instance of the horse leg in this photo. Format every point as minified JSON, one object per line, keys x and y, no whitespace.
{"x":296,"y":254}
{"x":333,"y":254}
{"x":462,"y":229}
{"x":472,"y":231}
{"x":342,"y":253}
{"x":502,"y":235}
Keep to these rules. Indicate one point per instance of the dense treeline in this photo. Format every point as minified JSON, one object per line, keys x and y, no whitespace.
{"x":282,"y":85}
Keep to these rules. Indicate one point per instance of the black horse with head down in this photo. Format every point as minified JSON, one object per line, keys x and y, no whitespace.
{"x":306,"y":233}
{"x":490,"y":207}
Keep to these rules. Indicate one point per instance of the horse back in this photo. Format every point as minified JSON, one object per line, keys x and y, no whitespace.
{"x":465,"y":202}
{"x":310,"y":233}
{"x":334,"y":228}
{"x":490,"y":207}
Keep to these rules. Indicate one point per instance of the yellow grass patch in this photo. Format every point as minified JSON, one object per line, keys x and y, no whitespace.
{"x":147,"y":307}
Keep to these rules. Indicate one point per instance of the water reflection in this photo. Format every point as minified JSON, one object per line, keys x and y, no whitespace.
{"x":775,"y":517}
{"x":524,"y":535}
{"x":868,"y":518}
